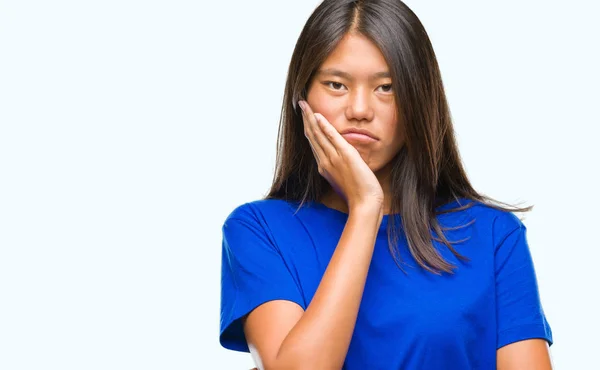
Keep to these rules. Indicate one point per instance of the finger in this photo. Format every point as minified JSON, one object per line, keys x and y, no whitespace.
{"x":334,"y":140}
{"x":310,"y":132}
{"x":309,"y":137}
{"x":326,"y":147}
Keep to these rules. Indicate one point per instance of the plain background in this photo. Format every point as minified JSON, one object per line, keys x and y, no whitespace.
{"x":130,"y":129}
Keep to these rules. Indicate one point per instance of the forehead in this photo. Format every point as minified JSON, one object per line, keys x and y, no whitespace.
{"x":357,"y":55}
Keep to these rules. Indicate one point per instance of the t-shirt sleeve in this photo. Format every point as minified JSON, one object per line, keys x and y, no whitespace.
{"x":253,"y":271}
{"x":519,"y":311}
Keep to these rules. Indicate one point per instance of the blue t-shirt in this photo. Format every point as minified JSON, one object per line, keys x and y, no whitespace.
{"x":406,"y":320}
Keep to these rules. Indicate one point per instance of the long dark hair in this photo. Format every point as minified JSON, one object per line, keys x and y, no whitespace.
{"x":427,"y":171}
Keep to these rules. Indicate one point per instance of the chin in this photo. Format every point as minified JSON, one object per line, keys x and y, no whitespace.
{"x":374,"y":166}
{"x":369,"y":157}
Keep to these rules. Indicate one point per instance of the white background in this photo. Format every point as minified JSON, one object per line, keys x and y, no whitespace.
{"x":130,"y":129}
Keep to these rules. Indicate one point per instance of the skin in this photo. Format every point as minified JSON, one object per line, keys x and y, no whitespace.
{"x":531,"y":354}
{"x":281,"y":334}
{"x":362,"y":99}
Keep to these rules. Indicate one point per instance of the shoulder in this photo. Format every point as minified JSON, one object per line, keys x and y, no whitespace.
{"x":498,"y":221}
{"x":262,"y":211}
{"x":497,"y":217}
{"x":488,"y":220}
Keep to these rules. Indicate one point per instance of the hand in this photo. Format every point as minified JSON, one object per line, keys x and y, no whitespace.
{"x":339,"y":162}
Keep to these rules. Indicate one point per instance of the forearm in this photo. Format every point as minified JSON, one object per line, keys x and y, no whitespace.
{"x":320,"y":339}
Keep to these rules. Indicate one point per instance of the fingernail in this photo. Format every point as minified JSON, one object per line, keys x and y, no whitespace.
{"x":301,"y":104}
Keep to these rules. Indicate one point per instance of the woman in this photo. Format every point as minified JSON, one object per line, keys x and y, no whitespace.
{"x":372,"y":250}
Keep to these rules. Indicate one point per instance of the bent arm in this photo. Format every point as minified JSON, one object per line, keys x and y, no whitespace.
{"x":530,"y":354}
{"x":281,"y":335}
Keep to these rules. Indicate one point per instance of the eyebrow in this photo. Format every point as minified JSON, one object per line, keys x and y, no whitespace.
{"x":348,"y":76}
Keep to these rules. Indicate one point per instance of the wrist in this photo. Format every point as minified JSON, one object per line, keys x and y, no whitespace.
{"x":367,"y":209}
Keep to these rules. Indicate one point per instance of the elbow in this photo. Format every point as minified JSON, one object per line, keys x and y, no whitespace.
{"x":302,"y":362}
{"x":297,"y":366}
{"x":305,"y":355}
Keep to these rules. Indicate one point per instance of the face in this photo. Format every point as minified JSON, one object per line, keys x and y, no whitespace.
{"x":352,"y":89}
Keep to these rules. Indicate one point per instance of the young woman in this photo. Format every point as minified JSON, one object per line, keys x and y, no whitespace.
{"x":372,"y":250}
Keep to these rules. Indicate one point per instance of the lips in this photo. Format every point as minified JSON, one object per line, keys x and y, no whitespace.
{"x":357,"y":134}
{"x":358,"y":138}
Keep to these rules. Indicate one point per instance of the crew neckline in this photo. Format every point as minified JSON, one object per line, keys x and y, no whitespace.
{"x":322,"y":205}
{"x":343,"y":215}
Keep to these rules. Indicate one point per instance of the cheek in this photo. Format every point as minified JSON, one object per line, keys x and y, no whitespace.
{"x":392,"y":122}
{"x":392,"y":130}
{"x":324,"y":106}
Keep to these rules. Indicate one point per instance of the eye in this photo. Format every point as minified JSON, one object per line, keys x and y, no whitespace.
{"x":334,"y":85}
{"x":387,"y":88}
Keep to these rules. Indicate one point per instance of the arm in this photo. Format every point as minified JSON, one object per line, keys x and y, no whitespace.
{"x":523,"y":331}
{"x":532,"y":354}
{"x":281,"y":335}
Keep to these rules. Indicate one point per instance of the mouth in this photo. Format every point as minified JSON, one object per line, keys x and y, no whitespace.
{"x":358,"y":138}
{"x":359,"y":131}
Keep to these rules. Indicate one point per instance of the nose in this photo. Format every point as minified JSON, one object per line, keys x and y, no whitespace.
{"x":359,"y":106}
